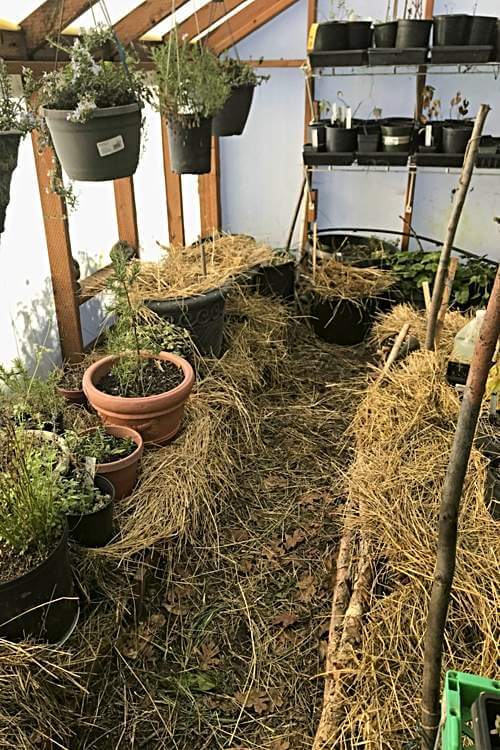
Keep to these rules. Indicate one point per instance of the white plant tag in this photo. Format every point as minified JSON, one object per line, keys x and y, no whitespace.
{"x":396,"y":140}
{"x":348,"y":118}
{"x":111,"y":146}
{"x":428,"y":135}
{"x":90,"y":466}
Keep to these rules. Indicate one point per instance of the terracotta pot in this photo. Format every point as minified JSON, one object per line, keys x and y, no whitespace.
{"x":156,"y":418}
{"x":123,"y":473}
{"x":73,"y":396}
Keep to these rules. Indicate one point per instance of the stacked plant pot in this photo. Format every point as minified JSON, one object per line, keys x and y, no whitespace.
{"x":402,"y":42}
{"x":339,"y":43}
{"x":461,"y":38}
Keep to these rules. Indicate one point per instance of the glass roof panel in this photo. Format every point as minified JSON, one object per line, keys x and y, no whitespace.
{"x":116,"y":9}
{"x":180,"y":15}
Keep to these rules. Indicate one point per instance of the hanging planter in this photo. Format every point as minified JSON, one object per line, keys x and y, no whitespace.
{"x":242,"y":79}
{"x":192,"y":88}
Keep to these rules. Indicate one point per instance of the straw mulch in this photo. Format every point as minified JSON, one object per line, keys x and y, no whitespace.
{"x":403,"y":429}
{"x":336,"y":279}
{"x":204,"y":623}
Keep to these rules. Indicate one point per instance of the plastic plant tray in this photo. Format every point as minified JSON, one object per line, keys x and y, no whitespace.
{"x":463,"y":54}
{"x":327,"y":158}
{"x":394,"y":56}
{"x":461,"y":690}
{"x":384,"y":158}
{"x":338,"y":58}
{"x":439,"y":160}
{"x":488,"y":161}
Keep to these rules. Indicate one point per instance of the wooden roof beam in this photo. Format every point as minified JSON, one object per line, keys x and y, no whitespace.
{"x":50,"y":18}
{"x":144,"y":17}
{"x":242,"y":24}
{"x":203,"y":19}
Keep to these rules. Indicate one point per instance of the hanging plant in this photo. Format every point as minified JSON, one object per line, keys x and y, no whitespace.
{"x":191,"y":90}
{"x":242,"y":79}
{"x":91,"y":108}
{"x":15,"y":123}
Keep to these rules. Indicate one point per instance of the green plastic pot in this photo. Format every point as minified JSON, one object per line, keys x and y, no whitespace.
{"x":9,"y":148}
{"x":106,"y":147}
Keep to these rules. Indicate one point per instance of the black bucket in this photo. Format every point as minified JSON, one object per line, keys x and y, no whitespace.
{"x":9,"y":149}
{"x":482,"y":30}
{"x":277,"y":280}
{"x":384,"y":34}
{"x":97,"y":528}
{"x":190,"y":148}
{"x":342,"y":321}
{"x":341,"y":140}
{"x":368,"y":143}
{"x":202,"y":315}
{"x":41,"y":604}
{"x":451,"y":30}
{"x":331,"y":37}
{"x":413,"y":33}
{"x":456,"y":137}
{"x":397,"y":135}
{"x":233,"y":116}
{"x":359,"y":34}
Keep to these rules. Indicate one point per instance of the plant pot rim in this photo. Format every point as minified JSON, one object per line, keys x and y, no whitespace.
{"x":122,"y":403}
{"x":414,"y":20}
{"x":452,"y":15}
{"x":120,"y":463}
{"x":121,"y":109}
{"x":12,"y":132}
{"x":62,"y":390}
{"x":112,"y":492}
{"x":214,"y":291}
{"x":61,"y":541}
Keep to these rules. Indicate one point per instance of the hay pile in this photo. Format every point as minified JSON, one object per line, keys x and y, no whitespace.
{"x":403,"y":430}
{"x":336,"y":279}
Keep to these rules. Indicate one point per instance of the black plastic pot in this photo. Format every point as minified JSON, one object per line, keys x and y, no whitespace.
{"x":384,"y":34}
{"x":318,"y":135}
{"x":276,"y":280}
{"x":338,"y":243}
{"x":492,"y":490}
{"x":359,"y":34}
{"x":437,"y":136}
{"x":368,"y":143}
{"x":106,"y":147}
{"x":497,"y":46}
{"x":413,"y":32}
{"x":482,"y":30}
{"x":40,"y":604}
{"x":456,"y":137}
{"x":341,"y":140}
{"x":190,"y":147}
{"x":331,"y":36}
{"x":485,"y":710}
{"x":232,"y":118}
{"x":397,"y":135}
{"x":202,"y":315}
{"x":451,"y":30}
{"x":9,"y":149}
{"x":97,"y":528}
{"x":342,"y":321}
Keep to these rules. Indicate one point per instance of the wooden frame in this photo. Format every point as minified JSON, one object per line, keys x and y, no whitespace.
{"x":245,"y":22}
{"x":50,"y":18}
{"x":144,"y":17}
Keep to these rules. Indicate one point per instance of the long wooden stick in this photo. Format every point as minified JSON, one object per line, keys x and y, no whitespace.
{"x":398,"y":343}
{"x":456,"y":211}
{"x":295,"y":216}
{"x":448,"y":286}
{"x":427,"y":296}
{"x":448,"y":516}
{"x":315,"y":251}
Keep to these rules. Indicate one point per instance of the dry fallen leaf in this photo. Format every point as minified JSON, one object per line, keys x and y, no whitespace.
{"x":307,"y":588}
{"x":286,"y":619}
{"x":293,"y":540}
{"x":274,"y":481}
{"x":208,"y":654}
{"x":255,"y":699}
{"x":279,"y":744}
{"x":245,"y":566}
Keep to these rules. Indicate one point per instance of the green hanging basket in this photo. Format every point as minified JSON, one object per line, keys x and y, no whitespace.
{"x":9,"y":148}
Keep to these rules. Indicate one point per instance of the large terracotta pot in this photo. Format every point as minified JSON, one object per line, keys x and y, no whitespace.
{"x":123,"y":473}
{"x":156,"y":418}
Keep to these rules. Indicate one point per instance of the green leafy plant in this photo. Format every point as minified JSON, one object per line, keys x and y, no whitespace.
{"x":77,"y":495}
{"x":99,"y":444}
{"x":29,"y":398}
{"x":431,"y":106}
{"x":238,"y":73}
{"x":190,"y":79}
{"x":14,"y":114}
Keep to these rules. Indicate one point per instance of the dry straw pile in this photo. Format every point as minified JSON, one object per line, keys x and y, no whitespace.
{"x":336,"y":279}
{"x":403,"y":429}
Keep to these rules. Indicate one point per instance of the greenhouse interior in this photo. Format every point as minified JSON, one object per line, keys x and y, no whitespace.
{"x":250,"y":375}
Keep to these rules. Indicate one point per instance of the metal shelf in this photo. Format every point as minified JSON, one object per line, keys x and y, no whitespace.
{"x":491,"y":68}
{"x":491,"y":172}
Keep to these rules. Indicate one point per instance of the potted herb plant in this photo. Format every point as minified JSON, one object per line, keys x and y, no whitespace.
{"x":192,"y":88}
{"x":36,"y":587}
{"x":15,"y":122}
{"x":242,"y":79}
{"x":69,"y":383}
{"x":32,"y":401}
{"x":451,"y":30}
{"x":144,"y":390}
{"x":341,"y":136}
{"x":87,"y":499}
{"x":92,"y":109}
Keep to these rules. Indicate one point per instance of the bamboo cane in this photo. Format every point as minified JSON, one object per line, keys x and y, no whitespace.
{"x":398,"y":343}
{"x":448,"y":516}
{"x":295,"y":216}
{"x":448,"y":286}
{"x":456,"y":211}
{"x":427,"y":296}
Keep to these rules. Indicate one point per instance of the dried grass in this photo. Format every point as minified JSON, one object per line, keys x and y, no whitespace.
{"x":336,"y":279}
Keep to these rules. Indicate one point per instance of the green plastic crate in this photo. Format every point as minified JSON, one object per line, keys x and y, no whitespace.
{"x":460,"y":692}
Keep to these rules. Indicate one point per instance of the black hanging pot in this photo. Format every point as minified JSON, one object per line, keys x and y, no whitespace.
{"x":384,"y":34}
{"x":482,"y":30}
{"x":456,"y":136}
{"x":451,"y":30}
{"x":413,"y":32}
{"x":40,"y":604}
{"x":397,"y":134}
{"x":190,"y":145}
{"x":359,"y":34}
{"x":342,"y":321}
{"x":497,"y":45}
{"x":341,"y":140}
{"x":233,"y":116}
{"x":9,"y":149}
{"x":329,"y":37}
{"x":106,"y":147}
{"x":94,"y":529}
{"x":202,"y":315}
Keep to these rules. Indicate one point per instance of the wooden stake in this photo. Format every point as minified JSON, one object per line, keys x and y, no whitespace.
{"x":295,"y":216}
{"x":456,"y":211}
{"x":427,"y":296}
{"x":448,"y":516}
{"x":203,"y":258}
{"x":315,"y":250}
{"x":448,"y":286}
{"x":395,"y":350}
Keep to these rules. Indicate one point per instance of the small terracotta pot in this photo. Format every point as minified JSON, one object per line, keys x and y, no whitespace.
{"x":123,"y":473}
{"x":157,"y":418}
{"x":74,"y":396}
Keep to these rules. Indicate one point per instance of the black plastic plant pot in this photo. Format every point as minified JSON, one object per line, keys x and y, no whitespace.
{"x":276,"y":280}
{"x":9,"y":149}
{"x":492,"y":490}
{"x":413,"y":32}
{"x":106,"y":147}
{"x":359,"y":34}
{"x":318,"y":135}
{"x":94,"y":529}
{"x":485,"y":710}
{"x":41,"y":604}
{"x":341,"y":140}
{"x":497,"y":46}
{"x":397,"y":135}
{"x":190,"y":147}
{"x":437,"y":135}
{"x":482,"y":30}
{"x":202,"y":315}
{"x":331,"y":36}
{"x":368,"y":143}
{"x":384,"y":34}
{"x":456,"y":137}
{"x":233,"y":116}
{"x":342,"y":321}
{"x":451,"y":30}
{"x":457,"y":373}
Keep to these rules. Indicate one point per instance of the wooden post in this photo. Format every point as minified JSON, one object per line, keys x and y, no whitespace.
{"x":456,"y":211}
{"x":448,"y":287}
{"x":126,"y":216}
{"x":312,"y":12}
{"x":173,"y":189}
{"x":448,"y":516}
{"x":209,"y":189}
{"x":60,"y":259}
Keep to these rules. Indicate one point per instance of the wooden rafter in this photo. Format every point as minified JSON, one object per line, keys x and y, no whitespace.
{"x":50,"y":18}
{"x":203,"y":19}
{"x":248,"y":19}
{"x":144,"y":17}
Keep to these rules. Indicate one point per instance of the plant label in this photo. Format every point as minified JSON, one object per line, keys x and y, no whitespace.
{"x":111,"y":146}
{"x":428,"y":135}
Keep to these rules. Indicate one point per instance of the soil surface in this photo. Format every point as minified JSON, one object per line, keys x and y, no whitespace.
{"x":71,"y":378}
{"x":156,"y":377}
{"x":13,"y":565}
